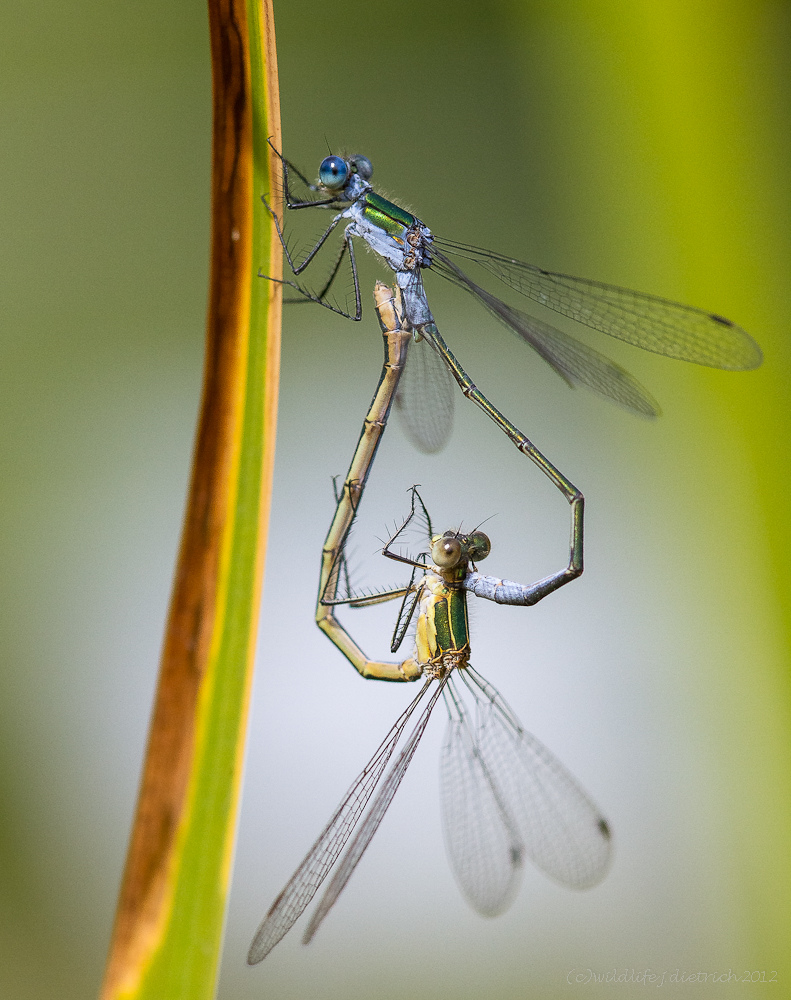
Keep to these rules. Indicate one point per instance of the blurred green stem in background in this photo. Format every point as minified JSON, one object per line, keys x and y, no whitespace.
{"x":171,"y":912}
{"x":707,"y":139}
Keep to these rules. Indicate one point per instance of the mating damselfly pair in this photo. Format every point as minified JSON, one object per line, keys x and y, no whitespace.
{"x":505,"y":797}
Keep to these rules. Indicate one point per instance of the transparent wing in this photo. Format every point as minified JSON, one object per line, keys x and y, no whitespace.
{"x":562,"y":830}
{"x":305,"y":881}
{"x":568,"y":357}
{"x":482,"y":840}
{"x":372,"y":820}
{"x":424,"y":400}
{"x":576,"y":363}
{"x":655,"y":324}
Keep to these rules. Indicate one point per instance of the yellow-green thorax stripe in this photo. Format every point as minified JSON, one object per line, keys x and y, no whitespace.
{"x":451,"y":629}
{"x":385,"y":215}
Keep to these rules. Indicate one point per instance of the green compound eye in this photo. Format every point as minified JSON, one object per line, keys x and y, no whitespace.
{"x":478,"y":546}
{"x":445,"y":551}
{"x":333,"y":173}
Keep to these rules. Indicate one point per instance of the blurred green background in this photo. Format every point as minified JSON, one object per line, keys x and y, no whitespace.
{"x":639,"y":143}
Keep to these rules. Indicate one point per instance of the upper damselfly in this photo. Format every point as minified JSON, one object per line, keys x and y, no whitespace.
{"x":504,"y":796}
{"x":409,"y":248}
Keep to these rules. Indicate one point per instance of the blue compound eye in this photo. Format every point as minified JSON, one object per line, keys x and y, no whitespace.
{"x":362,"y":165}
{"x":333,"y":173}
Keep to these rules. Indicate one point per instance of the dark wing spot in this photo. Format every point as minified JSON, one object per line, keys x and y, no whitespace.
{"x":604,"y":829}
{"x":720,"y":319}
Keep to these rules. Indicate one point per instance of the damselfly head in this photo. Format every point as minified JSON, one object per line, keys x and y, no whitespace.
{"x":452,"y":548}
{"x":335,"y":172}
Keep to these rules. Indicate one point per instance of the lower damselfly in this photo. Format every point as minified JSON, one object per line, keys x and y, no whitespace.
{"x":505,"y":798}
{"x":409,"y":248}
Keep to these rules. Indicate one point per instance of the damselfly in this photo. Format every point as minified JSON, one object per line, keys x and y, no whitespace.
{"x":504,"y":796}
{"x":408,"y":247}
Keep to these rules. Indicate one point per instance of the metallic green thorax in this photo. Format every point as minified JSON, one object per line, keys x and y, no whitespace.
{"x":451,"y":623}
{"x":385,"y":215}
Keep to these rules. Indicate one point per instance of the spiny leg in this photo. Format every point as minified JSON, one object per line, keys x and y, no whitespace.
{"x":299,"y":268}
{"x":310,"y":297}
{"x":288,"y":165}
{"x":319,"y":299}
{"x":406,"y":612}
{"x":387,"y":551}
{"x":345,"y":245}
